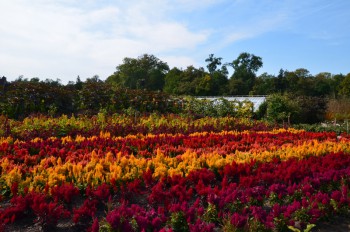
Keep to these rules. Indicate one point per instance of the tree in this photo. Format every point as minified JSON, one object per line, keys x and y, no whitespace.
{"x":218,"y":76}
{"x":220,"y":82}
{"x":204,"y":85}
{"x":312,"y":109}
{"x":78,"y":84}
{"x":281,"y":82}
{"x":299,"y":82}
{"x":302,"y":73}
{"x":213,"y":63}
{"x":145,"y":72}
{"x":172,"y":80}
{"x":191,"y":81}
{"x":264,"y":84}
{"x":344,"y":87}
{"x":322,"y":84}
{"x":248,"y":63}
{"x":281,"y":107}
{"x":245,"y":67}
{"x":291,"y":81}
{"x":335,"y":84}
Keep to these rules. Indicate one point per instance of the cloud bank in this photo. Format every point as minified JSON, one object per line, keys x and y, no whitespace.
{"x":70,"y":38}
{"x":66,"y":38}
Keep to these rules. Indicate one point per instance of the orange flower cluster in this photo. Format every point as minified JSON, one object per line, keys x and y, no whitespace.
{"x":91,"y":161}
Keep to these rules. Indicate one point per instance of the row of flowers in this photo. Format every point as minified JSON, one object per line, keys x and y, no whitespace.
{"x":251,"y":196}
{"x":98,"y":159}
{"x":121,"y":125}
{"x":232,"y":180}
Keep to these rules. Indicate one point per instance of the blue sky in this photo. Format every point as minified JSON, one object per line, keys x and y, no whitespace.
{"x":66,"y":38}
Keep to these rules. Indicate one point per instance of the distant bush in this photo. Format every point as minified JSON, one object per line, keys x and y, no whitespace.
{"x":312,"y":109}
{"x":24,"y":98}
{"x":294,"y":109}
{"x":281,"y":108}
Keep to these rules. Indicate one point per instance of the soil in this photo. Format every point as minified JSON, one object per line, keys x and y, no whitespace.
{"x":339,"y":224}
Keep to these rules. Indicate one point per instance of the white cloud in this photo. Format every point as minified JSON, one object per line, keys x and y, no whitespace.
{"x":66,"y":38}
{"x":55,"y":39}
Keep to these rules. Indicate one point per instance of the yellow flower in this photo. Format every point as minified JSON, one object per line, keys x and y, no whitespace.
{"x":13,"y":176}
{"x":79,"y":139}
{"x":105,"y":135}
{"x":160,"y":171}
{"x":37,"y":140}
{"x":66,"y":139}
{"x":7,"y":140}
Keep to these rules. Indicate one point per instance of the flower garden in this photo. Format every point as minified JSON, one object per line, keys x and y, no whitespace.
{"x":169,"y":173}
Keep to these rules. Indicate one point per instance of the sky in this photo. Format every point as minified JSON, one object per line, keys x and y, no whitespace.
{"x":63,"y":39}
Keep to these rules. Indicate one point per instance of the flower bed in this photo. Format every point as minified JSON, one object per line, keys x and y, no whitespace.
{"x":200,"y":181}
{"x":122,"y":125}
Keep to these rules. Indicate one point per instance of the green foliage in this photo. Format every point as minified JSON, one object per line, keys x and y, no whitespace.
{"x":211,"y":214}
{"x":344,"y":87}
{"x":24,"y":98}
{"x":137,"y":84}
{"x":295,"y":109}
{"x":247,"y":63}
{"x":178,"y":222}
{"x":218,"y":108}
{"x":264,"y":84}
{"x":105,"y":227}
{"x":262,"y":110}
{"x":308,"y":228}
{"x":94,"y":95}
{"x":213,"y":63}
{"x":196,"y":82}
{"x":312,"y":109}
{"x":172,"y":81}
{"x":255,"y":225}
{"x":243,"y":78}
{"x":227,"y":226}
{"x":324,"y":127}
{"x":322,"y":84}
{"x":300,"y":83}
{"x":281,"y":108}
{"x":145,"y":72}
{"x":218,"y":76}
{"x":190,"y":81}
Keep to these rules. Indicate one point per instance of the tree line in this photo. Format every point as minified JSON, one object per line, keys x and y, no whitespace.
{"x":146,"y":84}
{"x":23,"y":97}
{"x":150,"y":73}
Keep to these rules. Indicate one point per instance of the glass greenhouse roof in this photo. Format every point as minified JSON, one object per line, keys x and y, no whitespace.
{"x":256,"y":100}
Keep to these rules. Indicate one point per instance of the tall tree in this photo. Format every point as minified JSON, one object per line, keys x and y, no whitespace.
{"x":213,"y":63}
{"x":218,"y":76}
{"x":281,"y":82}
{"x":145,"y":72}
{"x":245,"y":67}
{"x":191,"y":81}
{"x":344,"y":87}
{"x":299,"y":82}
{"x":172,"y":81}
{"x":323,"y":84}
{"x":264,"y":84}
{"x":335,"y":84}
